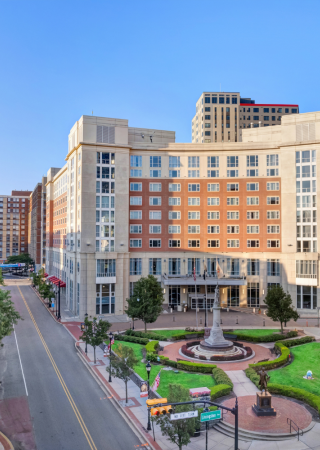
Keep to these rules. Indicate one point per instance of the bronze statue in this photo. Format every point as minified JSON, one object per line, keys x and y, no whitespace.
{"x":264,"y":379}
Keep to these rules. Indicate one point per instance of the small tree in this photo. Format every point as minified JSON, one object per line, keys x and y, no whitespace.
{"x":146,"y":300}
{"x":123,"y":364}
{"x":95,"y":333}
{"x":8,"y":314}
{"x":46,"y":291}
{"x":178,"y":431}
{"x":279,"y":306}
{"x":1,"y":278}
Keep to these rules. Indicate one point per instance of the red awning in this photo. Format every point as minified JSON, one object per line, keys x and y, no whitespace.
{"x":45,"y":275}
{"x":56,"y":281}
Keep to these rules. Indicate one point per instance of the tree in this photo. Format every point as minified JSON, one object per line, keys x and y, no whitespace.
{"x":146,"y":300}
{"x":46,"y":291}
{"x":279,"y":306}
{"x":95,"y":333}
{"x":8,"y":314}
{"x":123,"y":364}
{"x":1,"y":278}
{"x":22,"y":258}
{"x":178,"y":431}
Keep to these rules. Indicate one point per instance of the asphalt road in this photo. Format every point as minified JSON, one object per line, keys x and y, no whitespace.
{"x":64,"y":399}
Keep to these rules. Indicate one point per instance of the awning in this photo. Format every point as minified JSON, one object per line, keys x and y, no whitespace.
{"x":56,"y":281}
{"x":46,"y":275}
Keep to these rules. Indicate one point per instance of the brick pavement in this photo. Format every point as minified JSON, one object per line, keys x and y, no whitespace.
{"x":285,"y":409}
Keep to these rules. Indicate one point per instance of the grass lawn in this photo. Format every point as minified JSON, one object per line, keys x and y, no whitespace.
{"x":170,"y":333}
{"x":188,"y":380}
{"x":306,"y":357}
{"x":254,"y":332}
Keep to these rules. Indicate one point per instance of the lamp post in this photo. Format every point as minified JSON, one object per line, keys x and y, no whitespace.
{"x":111,"y":337}
{"x":59,"y":311}
{"x":148,"y":369}
{"x":85,"y":317}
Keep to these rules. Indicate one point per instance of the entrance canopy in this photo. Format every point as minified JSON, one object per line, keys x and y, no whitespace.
{"x":56,"y":281}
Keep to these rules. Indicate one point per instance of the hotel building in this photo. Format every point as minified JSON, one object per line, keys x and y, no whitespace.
{"x":221,"y":116}
{"x":37,"y":224}
{"x":131,"y":202}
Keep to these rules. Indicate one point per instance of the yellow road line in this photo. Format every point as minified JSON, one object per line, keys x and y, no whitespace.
{"x":63,"y":384}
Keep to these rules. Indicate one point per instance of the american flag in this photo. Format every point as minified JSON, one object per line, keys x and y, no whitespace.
{"x":194,"y":274}
{"x":156,"y":382}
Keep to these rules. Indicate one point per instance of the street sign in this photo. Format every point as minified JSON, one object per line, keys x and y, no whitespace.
{"x":184,"y":415}
{"x":210,"y":415}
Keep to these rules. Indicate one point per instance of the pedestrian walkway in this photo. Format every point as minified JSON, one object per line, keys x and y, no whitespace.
{"x":241,"y":384}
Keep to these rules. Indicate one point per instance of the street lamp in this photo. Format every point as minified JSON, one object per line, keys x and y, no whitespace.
{"x":111,"y":337}
{"x":85,"y":321}
{"x":148,"y":369}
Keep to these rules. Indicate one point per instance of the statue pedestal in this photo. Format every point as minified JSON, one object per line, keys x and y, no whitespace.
{"x":214,"y":340}
{"x":263,"y":406}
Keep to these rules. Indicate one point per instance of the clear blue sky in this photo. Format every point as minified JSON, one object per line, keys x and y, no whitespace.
{"x":145,"y":61}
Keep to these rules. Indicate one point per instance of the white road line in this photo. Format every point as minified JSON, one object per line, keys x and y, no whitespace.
{"x":25,"y":384}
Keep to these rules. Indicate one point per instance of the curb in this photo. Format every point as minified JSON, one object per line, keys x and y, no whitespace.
{"x":137,"y":429}
{"x":43,"y":303}
{"x":5,"y":442}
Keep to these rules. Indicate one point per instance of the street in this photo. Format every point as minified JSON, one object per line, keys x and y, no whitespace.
{"x":58,"y":398}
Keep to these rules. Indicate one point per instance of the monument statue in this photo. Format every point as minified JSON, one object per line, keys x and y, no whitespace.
{"x":264,"y":379}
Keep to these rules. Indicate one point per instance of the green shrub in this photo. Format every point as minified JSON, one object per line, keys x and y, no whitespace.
{"x":221,"y":377}
{"x":267,"y":338}
{"x":152,"y":346}
{"x":220,"y":390}
{"x":136,"y":340}
{"x":195,"y":367}
{"x":300,"y":341}
{"x":282,"y":359}
{"x":168,"y":362}
{"x":149,"y":335}
{"x":300,"y":394}
{"x":252,"y":375}
{"x":152,"y":357}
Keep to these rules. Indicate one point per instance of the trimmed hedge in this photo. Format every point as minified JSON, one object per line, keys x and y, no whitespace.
{"x":300,"y":341}
{"x":168,"y":362}
{"x":220,"y":377}
{"x":149,"y":335}
{"x":195,"y":367}
{"x":152,"y":346}
{"x":300,"y":394}
{"x":219,"y":391}
{"x":252,"y":375}
{"x":267,"y":338}
{"x":180,"y":337}
{"x":136,"y":340}
{"x":280,"y":361}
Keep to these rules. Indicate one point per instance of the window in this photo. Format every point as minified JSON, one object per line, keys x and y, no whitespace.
{"x":294,"y":110}
{"x":135,"y":229}
{"x":233,"y":201}
{"x":193,"y":173}
{"x":193,"y":187}
{"x":273,"y":200}
{"x":273,"y":267}
{"x":135,"y":243}
{"x":221,"y":100}
{"x":253,"y":294}
{"x":174,"y":187}
{"x":253,"y":267}
{"x":135,"y":266}
{"x":252,"y":172}
{"x":273,"y":243}
{"x":155,"y":187}
{"x":233,"y":243}
{"x":106,"y":267}
{"x":233,"y":229}
{"x":213,"y":187}
{"x":135,"y":186}
{"x":174,"y":173}
{"x":174,"y":201}
{"x":233,"y":266}
{"x":252,"y":161}
{"x":213,"y":243}
{"x":255,"y":117}
{"x":154,"y":243}
{"x":193,"y":201}
{"x":193,"y":229}
{"x":134,"y":215}
{"x":174,"y":266}
{"x":213,"y":161}
{"x":207,"y":100}
{"x":306,"y":269}
{"x":154,"y":229}
{"x":174,"y":229}
{"x":306,"y":297}
{"x":174,"y":215}
{"x":135,"y":161}
{"x":174,"y":243}
{"x":136,"y":173}
{"x":273,"y":186}
{"x":232,"y":161}
{"x":252,"y":215}
{"x":155,"y":215}
{"x":213,"y":173}
{"x":136,"y":201}
{"x":155,"y":173}
{"x":252,"y":186}
{"x":193,"y":215}
{"x":272,"y":160}
{"x":232,"y":187}
{"x":174,"y":161}
{"x":214,"y":229}
{"x":273,"y":229}
{"x":273,"y":214}
{"x":256,"y":110}
{"x":155,"y":201}
{"x":234,"y":101}
{"x":155,"y":161}
{"x":154,"y":266}
{"x":252,"y":200}
{"x":213,"y":201}
{"x":266,"y":118}
{"x":233,"y":215}
{"x":213,"y":215}
{"x":193,"y":161}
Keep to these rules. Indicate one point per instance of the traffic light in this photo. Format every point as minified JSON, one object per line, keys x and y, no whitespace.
{"x":159,"y":410}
